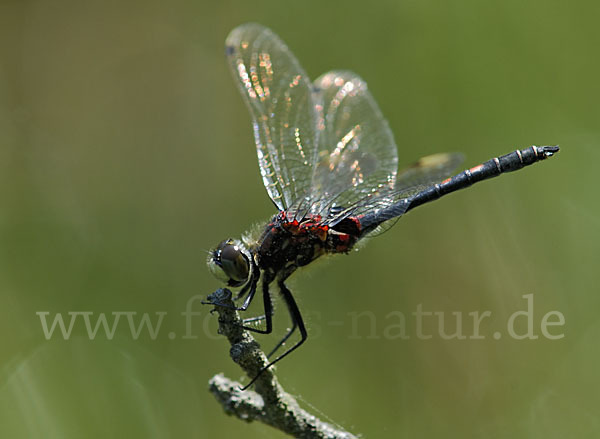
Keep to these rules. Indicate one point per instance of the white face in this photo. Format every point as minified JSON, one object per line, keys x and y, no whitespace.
{"x":230,"y":262}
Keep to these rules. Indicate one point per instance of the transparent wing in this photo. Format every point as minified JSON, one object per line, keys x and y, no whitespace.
{"x":429,"y":170}
{"x":357,"y":156}
{"x":417,"y":177}
{"x":379,"y":211}
{"x":277,"y":92}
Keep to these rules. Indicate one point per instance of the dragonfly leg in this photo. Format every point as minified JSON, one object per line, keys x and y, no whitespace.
{"x":242,"y":292}
{"x":254,"y":319}
{"x":296,"y":320}
{"x":250,"y":286}
{"x":268,"y":316}
{"x":284,"y":339}
{"x":253,"y":283}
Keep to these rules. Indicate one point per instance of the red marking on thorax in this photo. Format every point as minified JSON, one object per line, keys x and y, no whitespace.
{"x":310,"y":226}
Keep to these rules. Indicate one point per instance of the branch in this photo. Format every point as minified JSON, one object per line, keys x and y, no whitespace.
{"x":269,"y":404}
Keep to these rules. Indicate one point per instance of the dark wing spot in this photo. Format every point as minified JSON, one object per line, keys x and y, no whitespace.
{"x":229,"y":50}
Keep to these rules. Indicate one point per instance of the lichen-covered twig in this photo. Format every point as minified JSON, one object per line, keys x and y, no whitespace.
{"x":269,"y":403}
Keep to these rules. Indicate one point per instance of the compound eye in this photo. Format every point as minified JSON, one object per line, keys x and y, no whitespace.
{"x":234,"y":263}
{"x":229,"y":263}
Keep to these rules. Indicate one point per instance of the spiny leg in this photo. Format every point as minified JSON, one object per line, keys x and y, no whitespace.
{"x":251,"y":293}
{"x":268,"y":305}
{"x":283,"y":340}
{"x":254,"y":319}
{"x":243,"y":291}
{"x":251,"y":286}
{"x":296,"y":320}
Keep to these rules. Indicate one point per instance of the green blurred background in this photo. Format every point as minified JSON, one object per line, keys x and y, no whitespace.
{"x":126,"y":152}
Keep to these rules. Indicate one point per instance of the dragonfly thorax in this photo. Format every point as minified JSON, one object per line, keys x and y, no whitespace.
{"x":288,"y":244}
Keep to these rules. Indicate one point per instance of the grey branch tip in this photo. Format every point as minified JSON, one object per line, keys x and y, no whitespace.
{"x":268,"y":403}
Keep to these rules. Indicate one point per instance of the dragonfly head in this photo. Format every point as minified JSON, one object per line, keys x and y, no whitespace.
{"x":230,"y":262}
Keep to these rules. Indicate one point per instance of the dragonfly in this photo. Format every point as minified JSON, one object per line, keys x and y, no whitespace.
{"x":329,"y":163}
